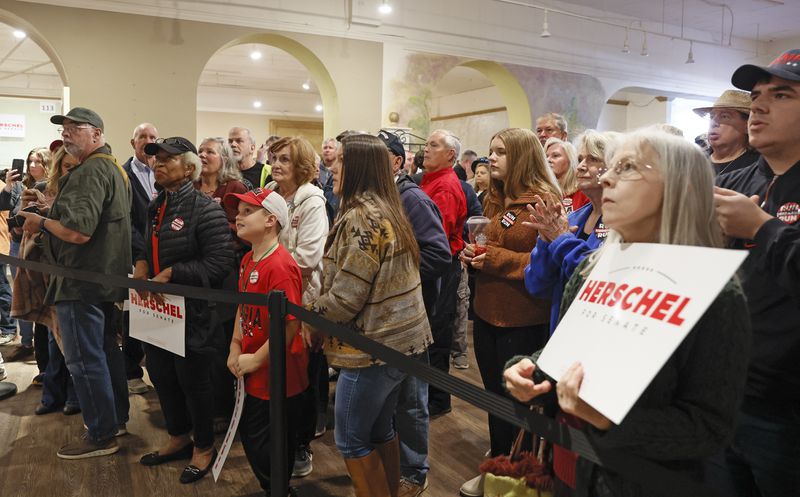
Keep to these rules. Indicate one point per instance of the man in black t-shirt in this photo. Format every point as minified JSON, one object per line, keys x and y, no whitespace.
{"x":758,"y":207}
{"x":243,"y":146}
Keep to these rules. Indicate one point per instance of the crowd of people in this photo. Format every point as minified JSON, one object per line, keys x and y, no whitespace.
{"x":375,"y":237}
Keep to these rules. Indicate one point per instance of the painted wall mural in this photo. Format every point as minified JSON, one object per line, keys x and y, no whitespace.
{"x":579,"y":97}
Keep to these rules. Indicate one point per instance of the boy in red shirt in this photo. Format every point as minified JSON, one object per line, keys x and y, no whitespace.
{"x":268,"y":266}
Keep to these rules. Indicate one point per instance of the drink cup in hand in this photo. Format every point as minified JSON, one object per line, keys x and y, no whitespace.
{"x":477,"y":226}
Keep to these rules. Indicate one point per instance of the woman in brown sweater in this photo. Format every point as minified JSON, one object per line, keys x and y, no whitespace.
{"x":507,"y":319}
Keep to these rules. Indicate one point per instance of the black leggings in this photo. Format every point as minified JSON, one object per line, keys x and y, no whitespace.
{"x":494,"y":346}
{"x":183,"y":385}
{"x":254,"y":428}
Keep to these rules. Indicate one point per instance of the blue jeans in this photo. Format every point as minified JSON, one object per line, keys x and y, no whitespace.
{"x":8,"y":325}
{"x":365,"y":403}
{"x":763,"y":459}
{"x":95,"y":361}
{"x":58,"y":389}
{"x":411,"y":419}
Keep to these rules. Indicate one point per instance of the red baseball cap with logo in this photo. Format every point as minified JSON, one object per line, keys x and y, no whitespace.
{"x":261,"y":197}
{"x":786,"y":66}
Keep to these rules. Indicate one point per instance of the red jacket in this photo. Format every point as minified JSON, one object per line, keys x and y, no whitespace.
{"x":445,"y":190}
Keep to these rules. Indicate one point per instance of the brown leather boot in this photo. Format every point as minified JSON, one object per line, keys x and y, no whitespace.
{"x":368,"y":475}
{"x":390,"y":455}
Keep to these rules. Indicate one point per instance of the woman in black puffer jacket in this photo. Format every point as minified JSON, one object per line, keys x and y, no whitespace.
{"x":188,"y":241}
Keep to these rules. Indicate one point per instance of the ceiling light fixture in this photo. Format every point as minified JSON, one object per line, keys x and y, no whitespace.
{"x":255,"y":54}
{"x":626,"y":47}
{"x":306,"y":85}
{"x":257,"y":104}
{"x":690,"y":58}
{"x":19,"y":34}
{"x":385,"y":8}
{"x":318,"y":108}
{"x":644,"y":53}
{"x":545,"y":27}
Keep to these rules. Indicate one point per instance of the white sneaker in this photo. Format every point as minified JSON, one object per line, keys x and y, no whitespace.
{"x":473,"y":487}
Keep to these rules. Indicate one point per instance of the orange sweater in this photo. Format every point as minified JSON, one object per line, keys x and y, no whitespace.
{"x":500,"y":295}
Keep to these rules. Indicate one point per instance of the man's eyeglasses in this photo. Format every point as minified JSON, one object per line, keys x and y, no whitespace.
{"x":73,"y":129}
{"x":625,"y":170}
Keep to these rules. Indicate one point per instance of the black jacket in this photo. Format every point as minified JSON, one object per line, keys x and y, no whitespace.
{"x":139,"y":202}
{"x":771,"y":280}
{"x":474,"y":206}
{"x":434,"y":249}
{"x":194,"y":239}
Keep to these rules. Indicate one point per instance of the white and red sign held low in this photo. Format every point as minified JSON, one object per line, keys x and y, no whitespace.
{"x":632,"y":312}
{"x":162,"y":324}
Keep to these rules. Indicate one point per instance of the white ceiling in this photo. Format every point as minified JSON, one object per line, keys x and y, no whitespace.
{"x":25,"y":69}
{"x":232,"y":81}
{"x":769,"y":19}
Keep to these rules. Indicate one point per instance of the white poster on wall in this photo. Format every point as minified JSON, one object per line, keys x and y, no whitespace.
{"x":12,"y":125}
{"x":632,"y":312}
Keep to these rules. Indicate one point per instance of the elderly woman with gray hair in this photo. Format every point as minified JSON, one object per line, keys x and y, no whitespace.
{"x":220,"y":174}
{"x":188,"y":242}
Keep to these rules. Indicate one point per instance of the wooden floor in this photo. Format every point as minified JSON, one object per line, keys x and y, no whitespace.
{"x":29,"y":466}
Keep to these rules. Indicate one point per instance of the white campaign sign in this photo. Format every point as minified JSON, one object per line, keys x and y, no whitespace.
{"x":228,"y":440}
{"x":162,"y":325}
{"x":12,"y":125}
{"x":634,"y":309}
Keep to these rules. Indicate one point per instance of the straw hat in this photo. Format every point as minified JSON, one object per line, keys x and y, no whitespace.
{"x":730,"y":99}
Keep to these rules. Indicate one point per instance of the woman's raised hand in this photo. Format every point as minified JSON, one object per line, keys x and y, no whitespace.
{"x":547,"y":216}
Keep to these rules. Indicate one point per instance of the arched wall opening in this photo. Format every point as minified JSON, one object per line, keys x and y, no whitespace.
{"x":33,"y":86}
{"x":283,"y":99}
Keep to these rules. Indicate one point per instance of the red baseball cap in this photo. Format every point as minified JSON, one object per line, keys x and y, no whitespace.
{"x":262,"y":197}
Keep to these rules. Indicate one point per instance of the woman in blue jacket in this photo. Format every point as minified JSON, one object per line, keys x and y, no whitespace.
{"x":564,"y":241}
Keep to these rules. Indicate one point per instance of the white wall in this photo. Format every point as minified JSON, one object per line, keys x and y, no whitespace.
{"x":39,"y":132}
{"x":642,"y":110}
{"x":475,"y":131}
{"x":468,"y":101}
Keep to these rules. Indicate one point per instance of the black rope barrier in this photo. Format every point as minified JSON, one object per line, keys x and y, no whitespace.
{"x":655,"y":478}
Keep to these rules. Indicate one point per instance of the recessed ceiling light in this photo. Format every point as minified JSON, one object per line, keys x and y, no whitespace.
{"x":385,"y":8}
{"x":19,"y":34}
{"x":306,"y":86}
{"x":255,"y":55}
{"x":318,"y":108}
{"x":257,"y":104}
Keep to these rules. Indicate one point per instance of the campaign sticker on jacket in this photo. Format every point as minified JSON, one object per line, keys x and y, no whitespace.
{"x":177,"y":224}
{"x":295,"y":221}
{"x":567,"y":203}
{"x":508,"y":220}
{"x":601,"y":231}
{"x":789,"y":212}
{"x":254,"y":277}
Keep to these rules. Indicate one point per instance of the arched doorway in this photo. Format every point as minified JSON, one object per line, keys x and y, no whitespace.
{"x":271,"y":84}
{"x":476,"y":99}
{"x":33,"y":86}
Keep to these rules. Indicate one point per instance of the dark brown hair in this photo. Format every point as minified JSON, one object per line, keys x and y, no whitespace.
{"x":366,"y":170}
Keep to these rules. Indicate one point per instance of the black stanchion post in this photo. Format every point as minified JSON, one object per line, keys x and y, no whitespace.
{"x":277,"y":393}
